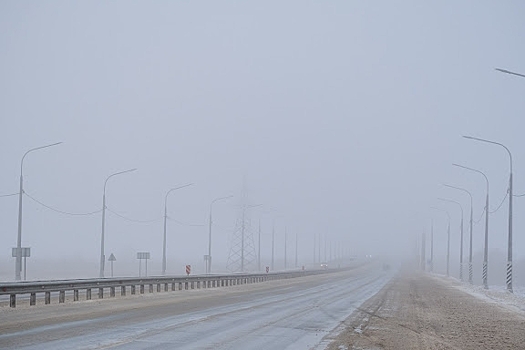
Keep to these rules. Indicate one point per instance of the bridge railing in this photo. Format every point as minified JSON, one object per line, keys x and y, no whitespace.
{"x":162,"y":283}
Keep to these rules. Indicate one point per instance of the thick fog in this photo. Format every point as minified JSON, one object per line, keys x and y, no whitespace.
{"x":341,"y":118}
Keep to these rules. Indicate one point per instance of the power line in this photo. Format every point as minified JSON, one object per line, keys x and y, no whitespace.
{"x":133,"y":220}
{"x":498,"y":208}
{"x":481,"y":217}
{"x":185,"y":223}
{"x":9,"y":195}
{"x":61,"y":211}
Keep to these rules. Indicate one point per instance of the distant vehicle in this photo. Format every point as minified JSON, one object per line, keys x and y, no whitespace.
{"x":324,"y":265}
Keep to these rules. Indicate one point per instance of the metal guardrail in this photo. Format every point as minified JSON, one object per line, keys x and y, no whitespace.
{"x":162,"y":283}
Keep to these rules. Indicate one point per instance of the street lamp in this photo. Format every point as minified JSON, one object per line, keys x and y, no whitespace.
{"x":470,"y":233}
{"x":432,"y":245}
{"x":208,"y":265}
{"x":18,"y":262}
{"x":461,"y":234}
{"x":102,"y":255}
{"x":448,"y":237}
{"x":165,"y":219}
{"x":509,"y":249}
{"x":486,"y":248}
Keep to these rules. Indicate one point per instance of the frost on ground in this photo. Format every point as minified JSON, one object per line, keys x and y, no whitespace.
{"x":419,"y":311}
{"x":514,"y":301}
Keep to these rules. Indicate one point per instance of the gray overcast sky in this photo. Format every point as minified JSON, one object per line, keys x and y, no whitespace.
{"x":343,"y":116}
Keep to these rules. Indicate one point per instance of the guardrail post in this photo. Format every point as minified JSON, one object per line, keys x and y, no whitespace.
{"x":158,"y":287}
{"x":47,"y":298}
{"x":32,"y":299}
{"x":75,"y":294}
{"x":101,"y":293}
{"x":88,"y":294}
{"x":180,"y":285}
{"x":111,"y":292}
{"x":122,"y":290}
{"x":166,"y":287}
{"x":141,"y":289}
{"x":61,"y":296}
{"x":186,"y":285}
{"x":173,"y":286}
{"x":151,"y":288}
{"x":12,"y":300}
{"x":133,"y":289}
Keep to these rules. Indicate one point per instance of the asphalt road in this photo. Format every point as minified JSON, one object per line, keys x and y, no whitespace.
{"x":289,"y":314}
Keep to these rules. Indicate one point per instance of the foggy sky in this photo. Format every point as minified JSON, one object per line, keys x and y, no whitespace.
{"x":343,"y":118}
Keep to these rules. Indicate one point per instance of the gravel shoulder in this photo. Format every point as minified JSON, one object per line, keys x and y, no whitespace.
{"x":419,"y":311}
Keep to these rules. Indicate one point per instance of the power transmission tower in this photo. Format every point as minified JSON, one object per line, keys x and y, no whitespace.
{"x":243,"y":256}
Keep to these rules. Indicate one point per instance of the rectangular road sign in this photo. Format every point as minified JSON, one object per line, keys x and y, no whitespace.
{"x":143,"y":255}
{"x":25,"y":252}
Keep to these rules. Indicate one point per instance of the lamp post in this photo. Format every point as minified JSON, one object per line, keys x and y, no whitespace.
{"x":432,"y":245}
{"x":102,"y":255}
{"x":273,"y":244}
{"x":448,"y":237}
{"x":461,"y":236}
{"x":165,"y":223}
{"x":18,"y":262}
{"x":470,"y":232}
{"x":208,"y":265}
{"x":509,"y":248}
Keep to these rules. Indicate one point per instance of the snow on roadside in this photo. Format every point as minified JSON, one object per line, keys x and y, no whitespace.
{"x":495,"y":294}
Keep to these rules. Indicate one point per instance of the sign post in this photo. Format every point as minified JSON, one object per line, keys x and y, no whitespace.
{"x":111,"y":259}
{"x":143,"y":256}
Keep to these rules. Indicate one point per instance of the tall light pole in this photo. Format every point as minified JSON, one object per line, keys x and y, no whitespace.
{"x":314,"y":249}
{"x":259,"y":249}
{"x":165,"y":224}
{"x":470,"y":231}
{"x":18,"y":262}
{"x":461,"y":236}
{"x":208,"y":265}
{"x":296,"y":242}
{"x":509,"y":248}
{"x":432,"y":245}
{"x":102,"y":255}
{"x":285,"y":241}
{"x":486,"y":245}
{"x":273,"y":244}
{"x":448,"y":237}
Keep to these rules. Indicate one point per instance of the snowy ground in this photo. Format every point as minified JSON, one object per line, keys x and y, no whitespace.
{"x":496,"y":294}
{"x":422,"y":311}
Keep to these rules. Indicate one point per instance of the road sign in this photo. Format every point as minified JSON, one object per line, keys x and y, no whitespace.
{"x":111,"y":260}
{"x":188,"y":269}
{"x":143,"y":256}
{"x":267,"y":269}
{"x":25,"y":252}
